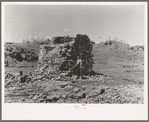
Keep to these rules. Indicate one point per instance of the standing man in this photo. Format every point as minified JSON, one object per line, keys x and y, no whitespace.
{"x":79,"y":67}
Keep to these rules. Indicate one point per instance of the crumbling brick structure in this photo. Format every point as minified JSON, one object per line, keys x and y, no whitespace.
{"x":63,"y":51}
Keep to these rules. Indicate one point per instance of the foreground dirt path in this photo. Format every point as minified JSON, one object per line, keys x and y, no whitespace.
{"x":76,"y":91}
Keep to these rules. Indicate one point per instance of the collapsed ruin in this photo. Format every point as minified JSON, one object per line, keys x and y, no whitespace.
{"x":61,"y":54}
{"x":39,"y":86}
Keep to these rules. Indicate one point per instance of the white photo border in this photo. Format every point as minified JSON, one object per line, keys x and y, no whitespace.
{"x":36,"y":111}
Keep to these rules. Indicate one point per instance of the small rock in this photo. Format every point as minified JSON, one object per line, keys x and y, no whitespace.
{"x":59,"y":78}
{"x":40,"y":94}
{"x":30,"y":96}
{"x":29,"y":72}
{"x":52,"y":79}
{"x":12,"y":77}
{"x":96,"y":99}
{"x":58,"y":87}
{"x":81,"y":95}
{"x":63,"y":84}
{"x":64,"y":96}
{"x":92,"y":93}
{"x":8,"y":81}
{"x":39,"y":77}
{"x":84,"y":87}
{"x":102,"y":91}
{"x":49,"y":97}
{"x":36,"y":97}
{"x":73,"y":81}
{"x":69,"y":87}
{"x":71,"y":96}
{"x":41,"y":100}
{"x":62,"y":74}
{"x":76,"y":89}
{"x":53,"y":97}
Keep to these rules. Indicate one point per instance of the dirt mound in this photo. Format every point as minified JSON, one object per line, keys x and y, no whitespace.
{"x":15,"y":54}
{"x":117,"y":50}
{"x":136,"y":53}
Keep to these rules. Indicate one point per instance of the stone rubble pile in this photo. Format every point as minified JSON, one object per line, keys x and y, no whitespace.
{"x":63,"y":52}
{"x":48,"y":86}
{"x":44,"y":74}
{"x":69,"y":92}
{"x":52,"y":82}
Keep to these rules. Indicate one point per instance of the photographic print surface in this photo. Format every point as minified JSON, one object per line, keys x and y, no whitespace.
{"x":74,"y":54}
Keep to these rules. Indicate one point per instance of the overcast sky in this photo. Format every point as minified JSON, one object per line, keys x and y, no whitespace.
{"x":98,"y":22}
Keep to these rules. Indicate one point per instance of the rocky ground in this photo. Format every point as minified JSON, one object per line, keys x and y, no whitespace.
{"x":52,"y":88}
{"x":120,"y":79}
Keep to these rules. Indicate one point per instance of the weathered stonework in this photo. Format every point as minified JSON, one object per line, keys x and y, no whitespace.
{"x":43,"y":51}
{"x":63,"y":56}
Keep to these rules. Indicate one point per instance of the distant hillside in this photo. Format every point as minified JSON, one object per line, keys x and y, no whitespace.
{"x":117,"y":50}
{"x":114,"y":54}
{"x":103,"y":53}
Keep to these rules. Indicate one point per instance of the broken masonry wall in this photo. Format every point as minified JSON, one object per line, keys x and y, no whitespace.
{"x":63,"y":56}
{"x":50,"y":55}
{"x":43,"y":51}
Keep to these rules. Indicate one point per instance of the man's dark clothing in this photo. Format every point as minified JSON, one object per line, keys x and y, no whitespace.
{"x":78,"y":72}
{"x":78,"y":68}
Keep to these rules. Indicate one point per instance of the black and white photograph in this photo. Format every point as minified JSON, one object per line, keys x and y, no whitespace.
{"x":77,"y":54}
